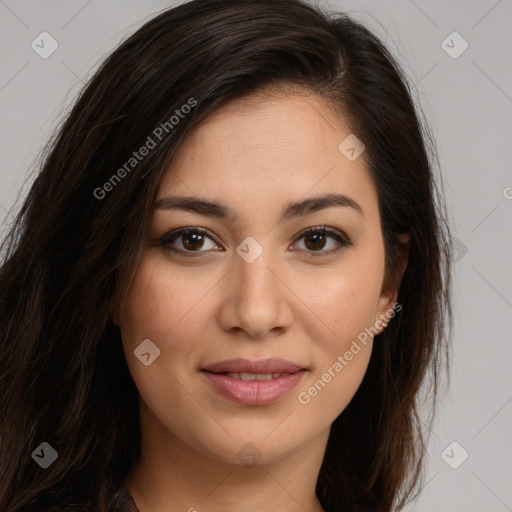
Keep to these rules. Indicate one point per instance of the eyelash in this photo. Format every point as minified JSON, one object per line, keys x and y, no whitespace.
{"x":342,"y":240}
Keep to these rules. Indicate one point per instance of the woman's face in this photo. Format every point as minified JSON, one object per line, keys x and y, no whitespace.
{"x":255,"y":287}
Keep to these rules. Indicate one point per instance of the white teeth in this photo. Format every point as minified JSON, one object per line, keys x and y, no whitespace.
{"x":263,"y":376}
{"x":253,"y":376}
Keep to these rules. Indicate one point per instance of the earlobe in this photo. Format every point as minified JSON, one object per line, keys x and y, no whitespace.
{"x":389,"y":295}
{"x":386,"y":310}
{"x":115,"y":317}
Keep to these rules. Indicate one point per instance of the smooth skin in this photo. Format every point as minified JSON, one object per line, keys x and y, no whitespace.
{"x":254,"y":155}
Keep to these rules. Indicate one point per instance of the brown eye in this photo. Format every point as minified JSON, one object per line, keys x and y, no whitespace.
{"x":192,"y":241}
{"x":316,"y":239}
{"x":187,"y":241}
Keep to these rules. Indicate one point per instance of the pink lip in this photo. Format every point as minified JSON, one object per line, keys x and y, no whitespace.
{"x":254,"y":392}
{"x":239,"y":365}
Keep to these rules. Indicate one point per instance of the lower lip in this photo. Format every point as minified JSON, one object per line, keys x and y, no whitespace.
{"x":254,"y":392}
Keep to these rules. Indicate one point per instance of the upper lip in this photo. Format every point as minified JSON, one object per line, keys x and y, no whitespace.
{"x":239,"y":365}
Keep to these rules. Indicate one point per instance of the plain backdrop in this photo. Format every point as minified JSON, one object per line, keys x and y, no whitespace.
{"x":467,"y":98}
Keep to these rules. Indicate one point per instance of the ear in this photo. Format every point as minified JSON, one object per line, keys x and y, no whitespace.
{"x":389,"y":292}
{"x":115,"y":317}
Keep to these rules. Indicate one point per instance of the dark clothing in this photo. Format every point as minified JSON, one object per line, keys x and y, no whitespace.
{"x":123,"y":502}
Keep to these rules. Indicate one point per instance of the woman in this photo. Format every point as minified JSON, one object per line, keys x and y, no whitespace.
{"x":230,"y":278}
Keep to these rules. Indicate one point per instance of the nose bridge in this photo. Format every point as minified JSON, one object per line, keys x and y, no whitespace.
{"x":257,"y":301}
{"x":256,"y":283}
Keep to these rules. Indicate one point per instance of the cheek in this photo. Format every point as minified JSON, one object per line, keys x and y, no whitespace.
{"x":343,"y":309}
{"x":160,"y":305}
{"x":342,"y":352}
{"x":333,"y":387}
{"x":342,"y":303}
{"x":160,"y":309}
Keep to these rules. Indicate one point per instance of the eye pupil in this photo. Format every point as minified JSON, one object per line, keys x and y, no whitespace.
{"x":318,"y":243}
{"x":190,"y":239}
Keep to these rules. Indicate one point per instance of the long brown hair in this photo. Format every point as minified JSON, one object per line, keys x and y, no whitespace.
{"x":73,"y":249}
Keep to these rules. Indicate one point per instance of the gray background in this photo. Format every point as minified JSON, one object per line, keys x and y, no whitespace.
{"x":468,"y":102}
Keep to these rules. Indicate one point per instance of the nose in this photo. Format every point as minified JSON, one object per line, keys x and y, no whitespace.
{"x":257,"y":301}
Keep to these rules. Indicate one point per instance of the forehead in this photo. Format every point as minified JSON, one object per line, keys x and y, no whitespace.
{"x":276,"y":147}
{"x":266,"y":123}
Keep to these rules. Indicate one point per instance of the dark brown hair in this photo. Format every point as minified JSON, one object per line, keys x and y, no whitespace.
{"x":71,"y":255}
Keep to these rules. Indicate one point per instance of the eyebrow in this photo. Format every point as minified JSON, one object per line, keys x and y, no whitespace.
{"x":290,"y":211}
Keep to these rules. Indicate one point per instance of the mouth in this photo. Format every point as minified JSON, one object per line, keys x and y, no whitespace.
{"x":253,"y":376}
{"x":253,"y":383}
{"x":241,"y":366}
